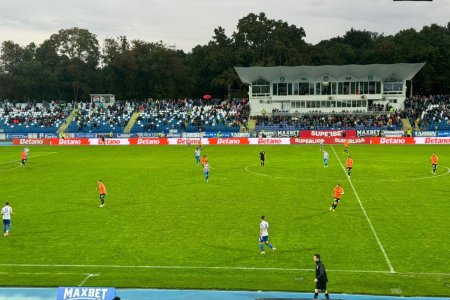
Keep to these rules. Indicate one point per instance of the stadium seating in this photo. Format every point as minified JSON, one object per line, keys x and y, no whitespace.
{"x":318,"y":121}
{"x":32,"y":117}
{"x":192,"y":116}
{"x":431,"y":112}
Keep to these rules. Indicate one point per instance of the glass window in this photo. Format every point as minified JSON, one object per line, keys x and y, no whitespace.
{"x":304,"y":88}
{"x":275,"y":89}
{"x":282,"y":89}
{"x":308,"y":104}
{"x":296,"y":89}
{"x":302,"y":104}
{"x":338,"y":103}
{"x":318,"y":88}
{"x":334,"y":88}
{"x":311,"y":88}
{"x":353,"y":86}
{"x":346,"y":88}
{"x":323,"y":104}
{"x":340,"y":88}
{"x":261,"y":87}
{"x":378,"y":87}
{"x":289,"y":88}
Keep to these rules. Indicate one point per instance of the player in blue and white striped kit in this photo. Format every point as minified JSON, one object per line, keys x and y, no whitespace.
{"x":206,"y":171}
{"x":7,"y":211}
{"x":198,"y":151}
{"x":264,"y":235}
{"x":325,"y":159}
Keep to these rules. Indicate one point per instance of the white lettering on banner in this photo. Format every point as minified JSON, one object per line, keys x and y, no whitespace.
{"x":92,"y":293}
{"x":110,"y":142}
{"x":69,"y":142}
{"x":287,"y":133}
{"x":148,"y":142}
{"x":269,"y":141}
{"x":368,"y":132}
{"x":228,"y":141}
{"x":308,"y":141}
{"x":31,"y":142}
{"x":395,"y":133}
{"x":186,"y":141}
{"x":425,"y":133}
{"x":437,"y":140}
{"x":320,"y":133}
{"x":392,"y":141}
{"x":351,"y":141}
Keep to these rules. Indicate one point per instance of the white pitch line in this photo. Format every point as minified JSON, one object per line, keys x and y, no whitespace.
{"x":86,"y":278}
{"x":391,"y":268}
{"x":212,"y":268}
{"x":31,"y":156}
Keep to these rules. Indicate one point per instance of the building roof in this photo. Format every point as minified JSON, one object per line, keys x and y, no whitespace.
{"x":383,"y":72}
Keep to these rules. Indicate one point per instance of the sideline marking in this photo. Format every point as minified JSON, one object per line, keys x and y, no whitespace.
{"x":86,"y":278}
{"x":365,"y":214}
{"x":214,"y":268}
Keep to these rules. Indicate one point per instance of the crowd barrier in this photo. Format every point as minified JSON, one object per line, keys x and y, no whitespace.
{"x":233,"y":141}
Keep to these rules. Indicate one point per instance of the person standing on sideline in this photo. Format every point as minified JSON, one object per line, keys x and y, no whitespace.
{"x":325,"y":159}
{"x":7,"y":212}
{"x":434,"y":163}
{"x":23,"y":157}
{"x":262,"y":156}
{"x":264,"y":235}
{"x":321,"y":278}
{"x":321,"y":145}
{"x":197,"y":155}
{"x":102,"y":192}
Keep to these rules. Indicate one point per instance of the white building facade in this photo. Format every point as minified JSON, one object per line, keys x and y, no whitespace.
{"x":328,"y":88}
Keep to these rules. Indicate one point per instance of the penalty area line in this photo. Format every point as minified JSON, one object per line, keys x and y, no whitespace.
{"x":212,"y":268}
{"x":391,"y":268}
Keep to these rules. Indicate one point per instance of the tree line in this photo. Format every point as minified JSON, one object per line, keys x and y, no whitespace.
{"x":72,"y":63}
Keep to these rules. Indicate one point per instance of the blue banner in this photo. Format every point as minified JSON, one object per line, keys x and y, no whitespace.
{"x":10,"y":136}
{"x":85,"y":293}
{"x":89,"y":135}
{"x":215,"y":134}
{"x":443,"y":133}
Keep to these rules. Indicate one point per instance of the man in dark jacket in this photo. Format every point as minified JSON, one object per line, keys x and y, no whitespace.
{"x":321,"y":278}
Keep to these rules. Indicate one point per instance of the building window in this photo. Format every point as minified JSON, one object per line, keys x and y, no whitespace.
{"x":260,"y":87}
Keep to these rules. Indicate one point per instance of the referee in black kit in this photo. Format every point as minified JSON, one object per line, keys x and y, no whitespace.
{"x":321,"y":278}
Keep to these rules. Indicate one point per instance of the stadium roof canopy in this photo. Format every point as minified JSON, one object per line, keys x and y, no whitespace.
{"x":400,"y":71}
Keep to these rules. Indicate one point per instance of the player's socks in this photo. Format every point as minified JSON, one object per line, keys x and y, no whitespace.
{"x":316,"y":295}
{"x":327,"y":296}
{"x":270,"y":246}
{"x":261,"y":247}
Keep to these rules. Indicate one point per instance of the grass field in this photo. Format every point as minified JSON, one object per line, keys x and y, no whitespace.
{"x":164,"y":226}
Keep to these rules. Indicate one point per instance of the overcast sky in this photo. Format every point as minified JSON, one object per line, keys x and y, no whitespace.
{"x":187,"y":23}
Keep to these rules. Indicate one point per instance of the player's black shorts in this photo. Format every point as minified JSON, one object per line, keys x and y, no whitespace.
{"x":262,"y":158}
{"x":349,"y":168}
{"x":434,"y":165}
{"x":321,"y":286}
{"x":6,"y":222}
{"x":102,"y":196}
{"x":337,"y":200}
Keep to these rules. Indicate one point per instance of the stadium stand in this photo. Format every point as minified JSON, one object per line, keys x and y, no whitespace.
{"x":429,"y":113}
{"x":45,"y":117}
{"x":316,"y":120}
{"x":192,"y":115}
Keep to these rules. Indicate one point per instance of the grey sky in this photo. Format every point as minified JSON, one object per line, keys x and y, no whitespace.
{"x":186,"y":23}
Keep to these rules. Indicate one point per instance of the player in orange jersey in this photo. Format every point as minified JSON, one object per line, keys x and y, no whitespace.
{"x":434,"y":162}
{"x":24,"y":157}
{"x":346,"y":144}
{"x":204,"y":160}
{"x":102,"y":192}
{"x":349,"y":163}
{"x":338,"y":191}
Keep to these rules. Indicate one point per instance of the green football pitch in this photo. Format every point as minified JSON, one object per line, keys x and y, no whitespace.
{"x":165,"y":227}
